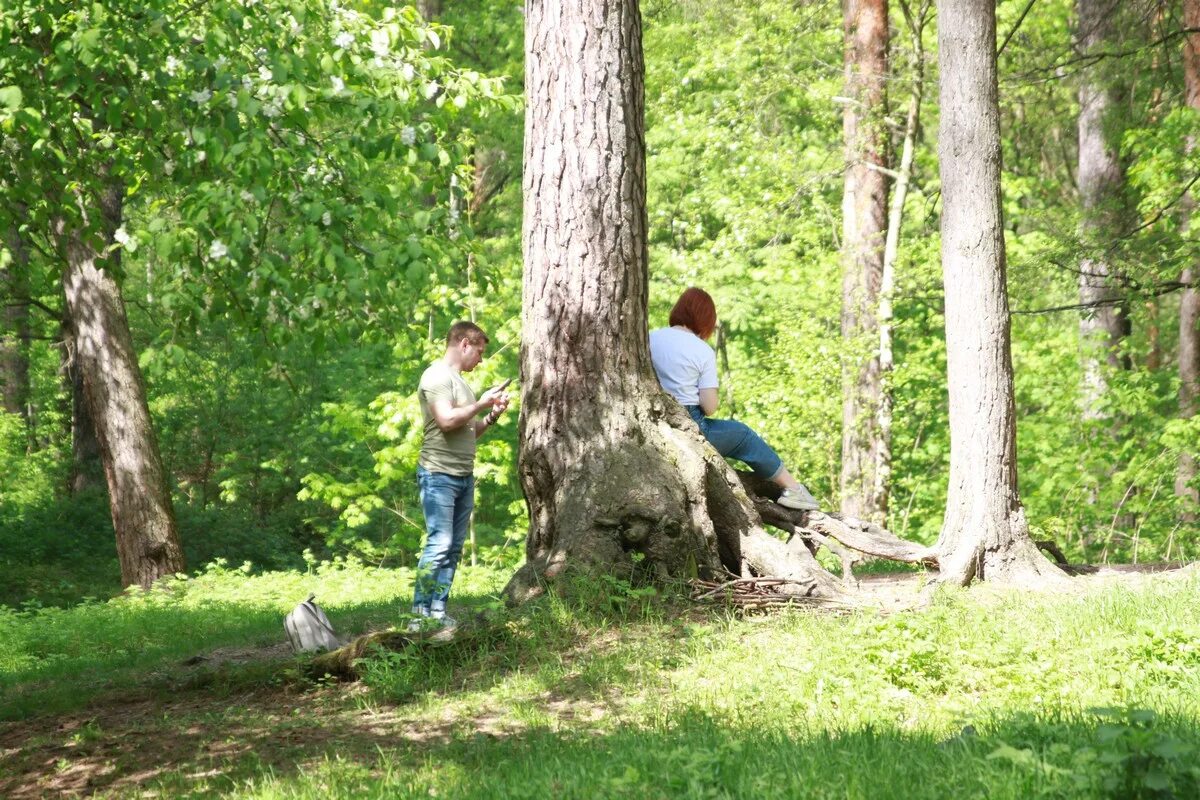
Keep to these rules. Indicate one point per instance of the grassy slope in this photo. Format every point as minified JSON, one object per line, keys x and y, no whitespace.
{"x":980,"y":694}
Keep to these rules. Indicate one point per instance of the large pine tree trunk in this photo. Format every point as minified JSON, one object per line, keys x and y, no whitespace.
{"x":984,"y":534}
{"x":613,"y":470}
{"x":15,"y":331}
{"x":865,"y":448}
{"x":1101,"y":189}
{"x":147,"y":541}
{"x":1189,"y":302}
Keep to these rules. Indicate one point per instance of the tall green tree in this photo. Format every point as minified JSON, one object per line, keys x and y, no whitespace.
{"x":1189,"y":301}
{"x":616,"y":475}
{"x":1101,"y":176}
{"x":209,"y":126}
{"x":985,"y":534}
{"x":865,"y":448}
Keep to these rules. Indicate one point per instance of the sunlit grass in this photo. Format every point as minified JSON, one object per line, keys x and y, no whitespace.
{"x":619,"y":692}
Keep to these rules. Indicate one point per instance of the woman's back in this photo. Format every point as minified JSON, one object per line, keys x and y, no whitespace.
{"x":685,"y":364}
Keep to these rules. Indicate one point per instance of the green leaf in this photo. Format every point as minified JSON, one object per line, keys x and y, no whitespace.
{"x":10,"y":98}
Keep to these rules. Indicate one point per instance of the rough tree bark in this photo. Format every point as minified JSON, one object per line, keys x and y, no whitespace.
{"x":614,"y":472}
{"x":87,"y":470}
{"x":147,"y":540}
{"x":15,"y":330}
{"x":1101,"y":193}
{"x":1189,"y":301}
{"x":864,"y":221}
{"x":984,"y":534}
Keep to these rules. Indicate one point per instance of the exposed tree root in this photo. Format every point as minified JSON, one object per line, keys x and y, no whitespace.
{"x":847,"y":538}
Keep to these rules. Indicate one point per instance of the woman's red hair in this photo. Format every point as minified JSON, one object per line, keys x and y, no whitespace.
{"x":696,"y":311}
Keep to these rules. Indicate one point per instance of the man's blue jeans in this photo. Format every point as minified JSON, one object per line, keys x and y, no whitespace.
{"x":447,"y":501}
{"x":736,"y":440}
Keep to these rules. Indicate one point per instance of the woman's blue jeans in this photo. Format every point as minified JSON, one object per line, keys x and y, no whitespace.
{"x":447,"y":501}
{"x":736,"y":440}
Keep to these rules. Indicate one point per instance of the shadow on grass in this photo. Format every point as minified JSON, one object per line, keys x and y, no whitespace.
{"x":265,"y":752}
{"x":54,"y":660}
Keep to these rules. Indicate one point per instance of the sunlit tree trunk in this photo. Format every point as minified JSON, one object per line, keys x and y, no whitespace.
{"x":615,"y":474}
{"x":1101,"y":189}
{"x":1189,"y":302}
{"x":865,"y":449}
{"x":147,"y":540}
{"x":891,"y":249}
{"x":984,"y":534}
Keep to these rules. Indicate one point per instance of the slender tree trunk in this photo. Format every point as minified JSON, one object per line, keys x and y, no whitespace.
{"x":864,"y":222}
{"x":429,"y":10}
{"x":984,"y":534}
{"x":730,"y":402}
{"x":147,"y":540}
{"x":15,"y":330}
{"x":1101,"y":189}
{"x":1189,"y":302}
{"x":616,"y":475}
{"x":891,"y":249}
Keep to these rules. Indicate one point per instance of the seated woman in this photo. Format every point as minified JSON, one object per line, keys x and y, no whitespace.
{"x":687,"y":369}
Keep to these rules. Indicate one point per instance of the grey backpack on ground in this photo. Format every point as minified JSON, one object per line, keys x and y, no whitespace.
{"x":308,"y":628}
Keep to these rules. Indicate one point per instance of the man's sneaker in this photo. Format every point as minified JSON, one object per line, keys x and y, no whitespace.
{"x":414,"y":626}
{"x":799,"y":498}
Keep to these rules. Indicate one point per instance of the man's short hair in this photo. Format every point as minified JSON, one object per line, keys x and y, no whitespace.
{"x":466,"y":330}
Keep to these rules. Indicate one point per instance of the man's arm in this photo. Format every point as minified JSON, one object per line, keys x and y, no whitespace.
{"x":709,"y":401}
{"x":449,"y":417}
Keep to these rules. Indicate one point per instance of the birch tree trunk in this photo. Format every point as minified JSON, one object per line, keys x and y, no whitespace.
{"x":1101,"y":189}
{"x":147,"y":540}
{"x":616,"y":475}
{"x":864,"y":221}
{"x":984,"y":534}
{"x":1189,"y":301}
{"x":891,"y":248}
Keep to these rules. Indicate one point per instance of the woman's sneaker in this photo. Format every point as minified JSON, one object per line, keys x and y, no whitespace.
{"x":799,"y":498}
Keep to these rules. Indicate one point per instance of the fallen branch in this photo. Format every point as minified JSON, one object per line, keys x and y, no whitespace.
{"x":759,"y":594}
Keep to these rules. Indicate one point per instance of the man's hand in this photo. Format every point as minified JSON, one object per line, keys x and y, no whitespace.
{"x":489,"y":398}
{"x":499,"y":403}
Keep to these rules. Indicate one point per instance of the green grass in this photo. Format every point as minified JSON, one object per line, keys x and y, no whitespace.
{"x":56,"y":659}
{"x":622,"y":693}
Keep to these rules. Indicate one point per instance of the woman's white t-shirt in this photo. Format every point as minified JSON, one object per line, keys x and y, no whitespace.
{"x":684,"y":362}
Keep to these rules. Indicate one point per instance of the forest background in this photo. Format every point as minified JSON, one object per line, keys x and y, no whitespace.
{"x":283,"y":313}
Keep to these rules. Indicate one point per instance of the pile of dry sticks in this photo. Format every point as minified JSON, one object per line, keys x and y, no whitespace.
{"x":752,"y":594}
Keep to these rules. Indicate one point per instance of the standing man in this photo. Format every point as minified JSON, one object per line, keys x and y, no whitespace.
{"x":446,"y":466}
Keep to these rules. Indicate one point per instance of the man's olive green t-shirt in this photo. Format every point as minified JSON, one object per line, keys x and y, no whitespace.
{"x":451,"y":452}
